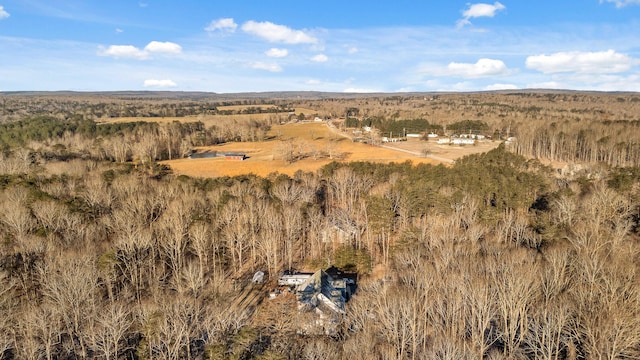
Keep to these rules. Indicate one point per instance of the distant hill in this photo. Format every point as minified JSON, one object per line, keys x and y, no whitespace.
{"x":273,"y":95}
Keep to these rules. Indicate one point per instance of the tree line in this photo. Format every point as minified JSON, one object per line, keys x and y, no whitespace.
{"x":143,"y":142}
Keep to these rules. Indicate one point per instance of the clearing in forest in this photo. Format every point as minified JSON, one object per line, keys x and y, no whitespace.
{"x":309,"y":146}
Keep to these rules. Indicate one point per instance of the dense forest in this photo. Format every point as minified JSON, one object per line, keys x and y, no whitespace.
{"x":107,"y":254}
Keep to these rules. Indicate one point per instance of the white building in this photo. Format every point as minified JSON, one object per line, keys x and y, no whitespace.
{"x":462,"y":141}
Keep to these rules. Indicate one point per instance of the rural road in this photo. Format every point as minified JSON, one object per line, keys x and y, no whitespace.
{"x":437,"y":158}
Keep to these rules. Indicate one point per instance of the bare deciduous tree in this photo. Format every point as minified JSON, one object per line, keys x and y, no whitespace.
{"x":72,"y":286}
{"x":110,"y":329}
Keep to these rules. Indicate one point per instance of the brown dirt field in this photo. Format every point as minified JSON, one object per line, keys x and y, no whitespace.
{"x":263,"y":159}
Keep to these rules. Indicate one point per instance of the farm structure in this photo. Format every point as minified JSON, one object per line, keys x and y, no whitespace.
{"x":235,"y":156}
{"x":456,"y":141}
{"x":463,"y":141}
{"x":213,"y":154}
{"x":386,"y":139}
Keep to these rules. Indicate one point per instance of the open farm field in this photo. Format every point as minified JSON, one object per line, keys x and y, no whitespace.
{"x":446,"y":151}
{"x":265,"y":157}
{"x":306,"y":111}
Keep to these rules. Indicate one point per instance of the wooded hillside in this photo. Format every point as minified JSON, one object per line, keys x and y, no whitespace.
{"x":107,"y":254}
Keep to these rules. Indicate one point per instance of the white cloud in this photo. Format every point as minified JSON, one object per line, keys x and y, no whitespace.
{"x":501,"y":87}
{"x":166,"y":83}
{"x":277,"y":33}
{"x":479,"y":10}
{"x":266,"y":66}
{"x":132,"y":52}
{"x":352,"y":50}
{"x":119,"y":31}
{"x":123,"y":51}
{"x":224,"y":24}
{"x":3,"y":13}
{"x":320,"y":58}
{"x":277,"y":53}
{"x":163,"y":47}
{"x":312,"y":82}
{"x":581,"y":62}
{"x":620,"y":83}
{"x":482,"y":68}
{"x":621,"y":3}
{"x":599,"y":82}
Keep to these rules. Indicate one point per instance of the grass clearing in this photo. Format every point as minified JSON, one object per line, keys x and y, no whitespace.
{"x":263,"y":157}
{"x":327,"y":143}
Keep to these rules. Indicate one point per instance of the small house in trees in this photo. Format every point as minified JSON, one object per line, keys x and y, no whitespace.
{"x":323,"y":294}
{"x":345,"y":281}
{"x":321,"y":290}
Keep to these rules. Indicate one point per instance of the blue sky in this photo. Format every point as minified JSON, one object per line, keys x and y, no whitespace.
{"x":341,"y":46}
